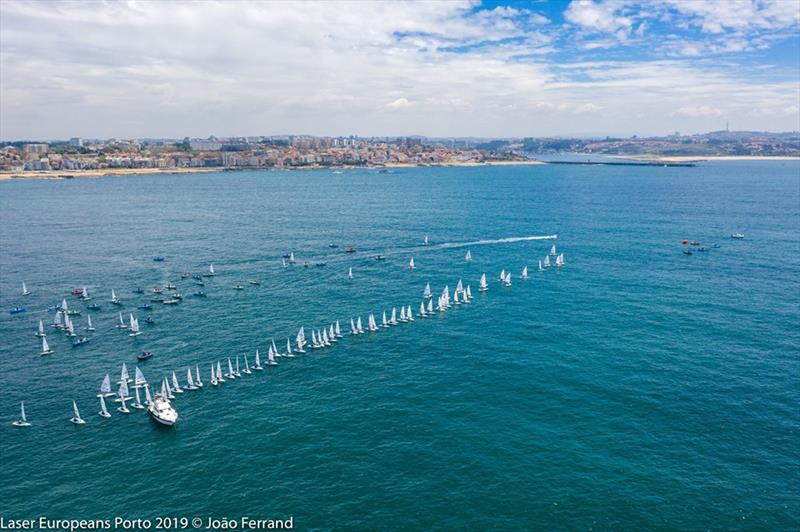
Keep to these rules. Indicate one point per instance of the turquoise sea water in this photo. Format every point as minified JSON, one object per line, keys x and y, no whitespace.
{"x":637,"y":388}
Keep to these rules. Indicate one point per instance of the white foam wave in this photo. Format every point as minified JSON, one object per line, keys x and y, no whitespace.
{"x":495,"y":241}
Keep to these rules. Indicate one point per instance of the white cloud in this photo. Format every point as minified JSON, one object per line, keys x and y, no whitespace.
{"x":398,"y":103}
{"x":702,"y":110}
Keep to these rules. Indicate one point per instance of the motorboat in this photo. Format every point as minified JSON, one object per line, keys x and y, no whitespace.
{"x":162,"y":411}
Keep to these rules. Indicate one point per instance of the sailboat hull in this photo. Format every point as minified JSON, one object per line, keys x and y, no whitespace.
{"x":77,"y":421}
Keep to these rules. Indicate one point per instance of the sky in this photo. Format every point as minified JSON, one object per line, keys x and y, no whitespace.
{"x":158,"y":69}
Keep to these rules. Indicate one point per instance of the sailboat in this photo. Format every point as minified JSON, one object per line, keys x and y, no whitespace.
{"x":469,"y":256}
{"x":197,"y":382}
{"x":332,"y":334}
{"x":411,"y":264}
{"x":76,"y":415}
{"x":25,"y":291}
{"x":85,"y":294}
{"x":524,"y":274}
{"x":455,"y":298}
{"x":103,"y":410}
{"x":23,"y":420}
{"x":403,"y":315}
{"x":134,"y":327}
{"x":219,"y":372}
{"x":114,"y":299}
{"x":560,"y":261}
{"x":69,"y":326}
{"x":483,"y":286}
{"x":425,"y":241}
{"x":359,"y":327}
{"x":353,"y":330}
{"x":105,"y":387}
{"x":291,"y":258}
{"x":409,"y":316}
{"x":176,"y":388}
{"x":190,"y":380}
{"x":58,"y":321}
{"x":237,"y":373}
{"x":507,"y":280}
{"x":257,"y":365}
{"x":45,"y":347}
{"x":553,"y":251}
{"x":214,"y":375}
{"x":384,"y":321}
{"x":89,"y":326}
{"x":422,"y":313}
{"x":148,"y":400}
{"x":502,"y":275}
{"x":459,"y":286}
{"x":121,"y":324}
{"x":139,"y":380}
{"x":393,"y":320}
{"x":284,"y":262}
{"x":246,"y":366}
{"x":211,"y":272}
{"x":546,"y":262}
{"x":289,"y":353}
{"x":230,"y":374}
{"x":350,"y":273}
{"x":541,"y":269}
{"x":275,"y":347}
{"x":40,"y":332}
{"x":426,"y":294}
{"x":300,"y":341}
{"x":467,"y":295}
{"x":372,"y":325}
{"x":338,"y":330}
{"x":271,"y":356}
{"x":122,"y":395}
{"x":325,"y":341}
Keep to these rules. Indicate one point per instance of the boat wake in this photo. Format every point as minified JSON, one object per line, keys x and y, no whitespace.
{"x":495,"y":241}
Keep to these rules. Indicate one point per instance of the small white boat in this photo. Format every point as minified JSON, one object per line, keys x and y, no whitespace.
{"x":422,"y":313}
{"x":122,"y":396}
{"x":121,"y":324}
{"x":409,"y":315}
{"x":430,"y":306}
{"x":237,"y":373}
{"x":211,"y":271}
{"x":502,"y":276}
{"x":393,"y":320}
{"x":25,"y":291}
{"x":176,"y":388}
{"x":257,"y":366}
{"x":23,"y":420}
{"x":325,"y":340}
{"x":162,"y":411}
{"x":103,"y":409}
{"x":483,"y":286}
{"x":69,"y":328}
{"x":560,"y":261}
{"x":546,"y":262}
{"x":219,"y":372}
{"x":58,"y":321}
{"x":246,"y":369}
{"x":403,"y":315}
{"x":40,"y":332}
{"x":85,"y":294}
{"x":425,"y":241}
{"x":353,"y":329}
{"x":350,"y":273}
{"x":737,"y":236}
{"x":289,"y":353}
{"x":45,"y":347}
{"x":524,"y":274}
{"x":359,"y":326}
{"x":300,"y":341}
{"x":469,"y":256}
{"x":371,"y":322}
{"x":291,"y":258}
{"x":214,"y":375}
{"x":541,"y":268}
{"x":197,"y":382}
{"x":165,"y":387}
{"x":507,"y":280}
{"x":384,"y":321}
{"x":114,"y":299}
{"x":338,"y":330}
{"x":89,"y":326}
{"x":332,"y":334}
{"x":455,"y":298}
{"x":468,"y":293}
{"x":230,"y":374}
{"x":426,"y":294}
{"x":271,"y":357}
{"x":148,"y":400}
{"x":553,"y":251}
{"x":190,"y":380}
{"x":134,"y":327}
{"x":76,"y":415}
{"x":411,"y":264}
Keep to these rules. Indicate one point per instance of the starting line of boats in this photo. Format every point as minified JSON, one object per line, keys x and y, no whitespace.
{"x":158,"y":404}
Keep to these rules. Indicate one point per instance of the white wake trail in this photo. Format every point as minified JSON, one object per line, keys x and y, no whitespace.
{"x":496,"y":241}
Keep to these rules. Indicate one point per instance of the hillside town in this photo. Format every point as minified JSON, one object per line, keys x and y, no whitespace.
{"x":303,"y":151}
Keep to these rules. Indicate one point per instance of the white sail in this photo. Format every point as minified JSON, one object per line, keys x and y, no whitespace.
{"x":165,"y":388}
{"x":291,"y":257}
{"x":427,"y":293}
{"x":338,"y":330}
{"x":271,"y":356}
{"x":503,"y":275}
{"x":524,"y":274}
{"x":147,"y":398}
{"x":57,"y":320}
{"x":189,"y":379}
{"x":40,"y":331}
{"x":246,"y":365}
{"x":300,"y":341}
{"x":121,"y":324}
{"x":137,"y":403}
{"x":123,"y":375}
{"x":409,"y":315}
{"x":45,"y":347}
{"x":384,"y":321}
{"x":22,"y":415}
{"x":483,"y":285}
{"x":237,"y":367}
{"x":403,"y":314}
{"x":546,"y":262}
{"x":85,"y":294}
{"x":25,"y":289}
{"x":64,"y":305}
{"x":213,"y":378}
{"x":122,"y":392}
{"x":507,"y":280}
{"x":258,"y":360}
{"x":176,"y":387}
{"x":134,"y":326}
{"x":284,"y":262}
{"x":553,"y":250}
{"x":76,"y":415}
{"x":425,"y":241}
{"x":359,"y":327}
{"x":289,"y":349}
{"x":350,"y":273}
{"x":325,"y":340}
{"x":105,"y":386}
{"x":353,"y":329}
{"x":332,"y":334}
{"x":430,"y":305}
{"x":211,"y":269}
{"x":411,"y":264}
{"x":455,"y":299}
{"x":219,"y":372}
{"x":469,"y":256}
{"x":422,"y":310}
{"x":89,"y":326}
{"x":393,"y":321}
{"x":469,"y":292}
{"x":139,"y":379}
{"x":197,"y":381}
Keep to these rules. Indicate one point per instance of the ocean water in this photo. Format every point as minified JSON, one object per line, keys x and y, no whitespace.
{"x":636,"y":388}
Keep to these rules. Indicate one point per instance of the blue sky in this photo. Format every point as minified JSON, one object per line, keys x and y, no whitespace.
{"x":446,"y":68}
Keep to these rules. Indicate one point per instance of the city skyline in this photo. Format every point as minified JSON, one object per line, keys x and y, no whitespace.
{"x":445,"y":69}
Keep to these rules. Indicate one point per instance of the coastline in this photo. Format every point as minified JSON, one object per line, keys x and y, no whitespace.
{"x":694,"y":159}
{"x":77,"y":174}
